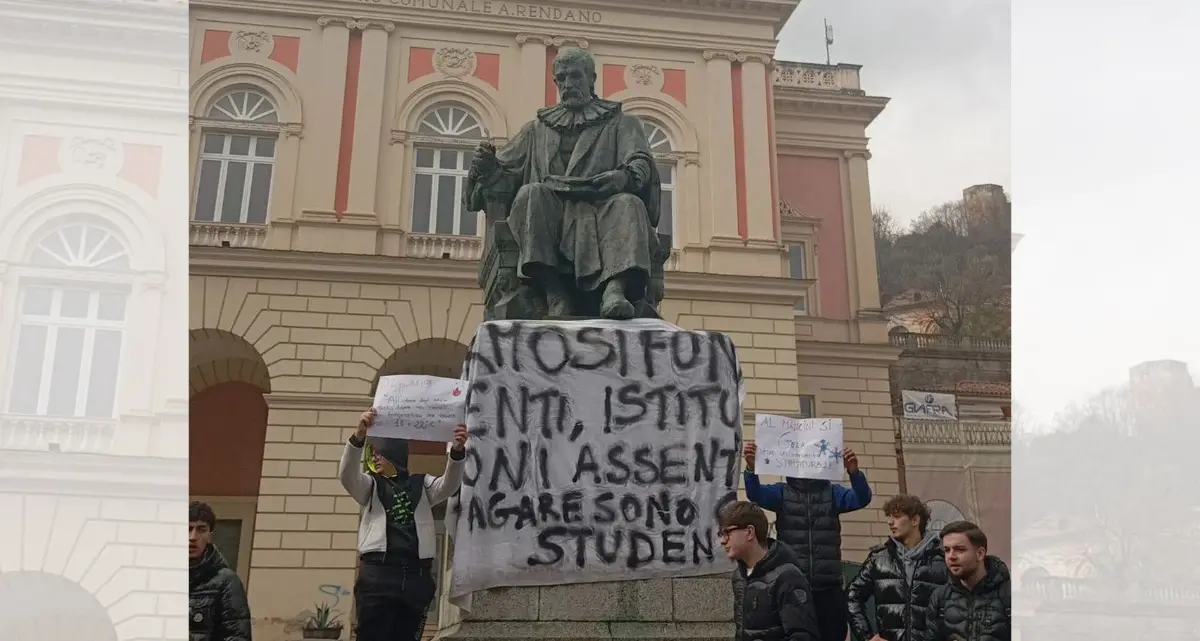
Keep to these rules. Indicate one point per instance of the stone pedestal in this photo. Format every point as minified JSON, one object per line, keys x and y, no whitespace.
{"x":685,"y":609}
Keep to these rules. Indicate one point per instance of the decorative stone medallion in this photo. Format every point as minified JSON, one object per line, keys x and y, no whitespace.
{"x":644,"y":77}
{"x":455,"y":62}
{"x":105,"y":155}
{"x":257,"y":43}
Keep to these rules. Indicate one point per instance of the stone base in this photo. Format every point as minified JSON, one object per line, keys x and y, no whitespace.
{"x":685,"y":609}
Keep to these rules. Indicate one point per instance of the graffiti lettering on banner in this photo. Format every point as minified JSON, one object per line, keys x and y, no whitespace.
{"x":799,"y":448}
{"x":419,"y":408}
{"x":599,"y":451}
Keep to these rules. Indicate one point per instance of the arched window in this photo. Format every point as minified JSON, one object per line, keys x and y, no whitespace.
{"x":660,"y":146}
{"x":445,"y":137}
{"x":72,"y":304}
{"x":237,"y":158}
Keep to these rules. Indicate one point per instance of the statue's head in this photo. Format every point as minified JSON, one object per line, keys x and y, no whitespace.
{"x":575,"y":76}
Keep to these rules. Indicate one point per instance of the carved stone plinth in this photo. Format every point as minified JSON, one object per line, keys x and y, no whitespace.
{"x":684,"y":609}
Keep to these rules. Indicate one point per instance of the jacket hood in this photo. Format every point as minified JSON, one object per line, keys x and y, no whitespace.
{"x":211,"y":562}
{"x":997,"y":575}
{"x":805,"y":484}
{"x":395,"y":450}
{"x":930,"y":542}
{"x":777,"y":554}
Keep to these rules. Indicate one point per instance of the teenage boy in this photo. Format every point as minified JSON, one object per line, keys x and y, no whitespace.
{"x":807,"y":515}
{"x":396,"y":537}
{"x":901,"y":574}
{"x":772,"y":598}
{"x":976,"y":604}
{"x":217,"y":608}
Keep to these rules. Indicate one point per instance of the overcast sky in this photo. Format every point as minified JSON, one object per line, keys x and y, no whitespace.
{"x":945,"y":65}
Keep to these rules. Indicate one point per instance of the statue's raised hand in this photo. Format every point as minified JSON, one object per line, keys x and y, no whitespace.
{"x":484,"y":162}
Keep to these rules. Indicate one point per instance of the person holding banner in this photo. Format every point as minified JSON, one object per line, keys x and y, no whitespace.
{"x":807,"y":520}
{"x":396,"y":537}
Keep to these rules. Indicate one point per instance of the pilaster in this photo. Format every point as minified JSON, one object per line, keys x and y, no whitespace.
{"x":719,"y":163}
{"x":368,"y":123}
{"x":864,"y":277}
{"x":532,"y":81}
{"x":760,"y":208}
{"x":320,"y":159}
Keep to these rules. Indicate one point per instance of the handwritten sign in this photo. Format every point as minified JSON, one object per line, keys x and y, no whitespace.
{"x":524,"y":10}
{"x":419,"y":408}
{"x":799,"y":448}
{"x":599,"y":451}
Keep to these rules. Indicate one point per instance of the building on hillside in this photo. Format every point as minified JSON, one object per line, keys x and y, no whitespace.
{"x":93,"y":293}
{"x":329,"y":247}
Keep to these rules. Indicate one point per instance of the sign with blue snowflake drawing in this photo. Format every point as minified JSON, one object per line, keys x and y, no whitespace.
{"x":803,"y":448}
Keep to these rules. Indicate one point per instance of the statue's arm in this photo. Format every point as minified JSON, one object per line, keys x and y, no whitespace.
{"x":494,"y":191}
{"x":638,"y":163}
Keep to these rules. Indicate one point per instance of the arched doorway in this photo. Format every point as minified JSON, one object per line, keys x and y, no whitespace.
{"x":36,"y":606}
{"x":227,"y":428}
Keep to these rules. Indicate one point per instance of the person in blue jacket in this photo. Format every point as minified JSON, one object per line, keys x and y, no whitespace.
{"x":807,"y":519}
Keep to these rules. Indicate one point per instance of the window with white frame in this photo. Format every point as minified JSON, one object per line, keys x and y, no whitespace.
{"x":660,"y":146}
{"x":446,"y":137}
{"x":798,"y":269}
{"x":71,"y":323}
{"x":237,"y":158}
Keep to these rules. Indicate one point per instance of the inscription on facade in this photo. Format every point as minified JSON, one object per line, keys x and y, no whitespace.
{"x":496,"y":8}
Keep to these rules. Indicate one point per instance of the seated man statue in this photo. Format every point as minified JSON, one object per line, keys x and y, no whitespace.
{"x":581,"y":193}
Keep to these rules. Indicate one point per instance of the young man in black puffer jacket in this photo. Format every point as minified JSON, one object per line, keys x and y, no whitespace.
{"x":976,"y":605}
{"x":773,"y":599}
{"x":217,"y":608}
{"x":901,"y":574}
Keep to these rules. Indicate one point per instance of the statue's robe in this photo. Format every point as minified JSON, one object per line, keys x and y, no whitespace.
{"x":558,"y":221}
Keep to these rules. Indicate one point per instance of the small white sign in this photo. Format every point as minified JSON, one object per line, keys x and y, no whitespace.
{"x":419,"y":408}
{"x":799,"y":448}
{"x":929,"y":406}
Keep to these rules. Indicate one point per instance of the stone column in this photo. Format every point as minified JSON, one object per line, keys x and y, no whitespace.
{"x":719,"y":162}
{"x":531,"y":85}
{"x":760,"y":210}
{"x":369,"y":116}
{"x":864,"y":286}
{"x":319,"y":162}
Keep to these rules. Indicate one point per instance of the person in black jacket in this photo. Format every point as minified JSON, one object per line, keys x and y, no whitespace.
{"x":901,"y":574}
{"x":773,"y":600}
{"x":217,"y":608}
{"x":976,"y":605}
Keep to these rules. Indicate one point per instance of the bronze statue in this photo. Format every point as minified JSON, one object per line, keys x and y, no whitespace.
{"x":573,"y":202}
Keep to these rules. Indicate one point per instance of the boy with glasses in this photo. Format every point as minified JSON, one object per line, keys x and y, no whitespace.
{"x":772,"y":599}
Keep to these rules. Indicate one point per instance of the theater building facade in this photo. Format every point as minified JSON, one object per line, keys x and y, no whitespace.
{"x":329,"y":143}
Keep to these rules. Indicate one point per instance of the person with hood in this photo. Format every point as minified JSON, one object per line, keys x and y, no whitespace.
{"x":807,"y":519}
{"x":976,"y":604}
{"x":217,"y":608}
{"x":773,"y":601}
{"x":396,"y":536}
{"x":901,"y":574}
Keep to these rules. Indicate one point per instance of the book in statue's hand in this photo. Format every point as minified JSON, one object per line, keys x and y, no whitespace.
{"x":576,"y":186}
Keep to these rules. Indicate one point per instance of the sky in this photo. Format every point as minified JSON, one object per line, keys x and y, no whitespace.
{"x":945,"y":64}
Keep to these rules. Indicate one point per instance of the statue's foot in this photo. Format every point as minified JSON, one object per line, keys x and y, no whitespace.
{"x":616,"y":307}
{"x":558,"y":306}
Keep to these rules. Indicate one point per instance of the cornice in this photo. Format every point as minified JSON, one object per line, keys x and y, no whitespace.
{"x":764,"y":58}
{"x":307,"y":401}
{"x":869,"y":355}
{"x":496,"y":24}
{"x":424,"y":272}
{"x":827,"y":105}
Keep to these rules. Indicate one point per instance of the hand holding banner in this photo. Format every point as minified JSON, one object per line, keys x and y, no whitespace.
{"x":803,"y":448}
{"x":419,"y":408}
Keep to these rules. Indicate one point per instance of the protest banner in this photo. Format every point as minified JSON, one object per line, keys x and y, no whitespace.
{"x":929,"y":406}
{"x":599,"y":451}
{"x":799,"y":448}
{"x":419,"y":408}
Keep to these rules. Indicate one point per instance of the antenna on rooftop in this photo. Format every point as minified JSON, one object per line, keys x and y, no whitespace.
{"x":828,"y":42}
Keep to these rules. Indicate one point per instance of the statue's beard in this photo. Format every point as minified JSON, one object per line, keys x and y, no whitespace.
{"x":574,"y":99}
